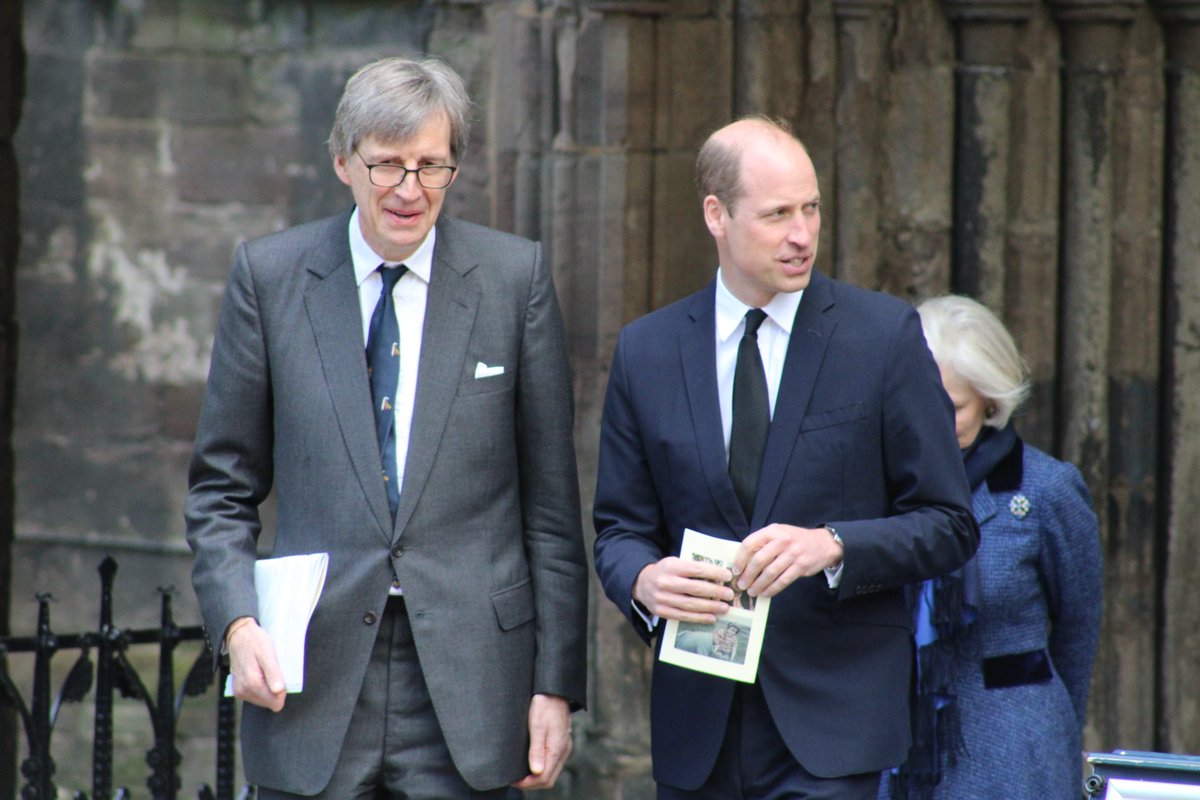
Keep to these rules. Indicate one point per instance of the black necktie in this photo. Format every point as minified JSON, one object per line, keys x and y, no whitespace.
{"x":751,"y":414}
{"x":383,"y":367}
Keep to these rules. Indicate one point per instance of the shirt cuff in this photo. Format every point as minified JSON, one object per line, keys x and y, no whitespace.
{"x":833,"y":575}
{"x":651,"y":620}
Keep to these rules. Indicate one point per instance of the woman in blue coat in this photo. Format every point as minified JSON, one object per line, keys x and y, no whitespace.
{"x":1006,"y":645}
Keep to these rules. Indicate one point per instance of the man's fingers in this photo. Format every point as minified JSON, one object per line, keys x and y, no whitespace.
{"x":690,"y":591}
{"x":549,"y":741}
{"x":694,"y":570}
{"x":759,"y":555}
{"x":778,"y":555}
{"x":273,"y":675}
{"x":257,"y":677}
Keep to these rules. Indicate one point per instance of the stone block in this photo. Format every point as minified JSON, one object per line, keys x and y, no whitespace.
{"x":217,"y":165}
{"x":189,"y":90}
{"x":630,"y":90}
{"x":397,"y":27}
{"x":268,"y":28}
{"x":49,"y":136}
{"x":65,"y":27}
{"x":685,"y":257}
{"x":207,"y":26}
{"x":769,"y":68}
{"x":129,"y":161}
{"x":637,"y":242}
{"x":693,"y":99}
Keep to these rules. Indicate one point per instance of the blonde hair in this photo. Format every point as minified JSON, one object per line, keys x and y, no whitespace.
{"x":969,"y":340}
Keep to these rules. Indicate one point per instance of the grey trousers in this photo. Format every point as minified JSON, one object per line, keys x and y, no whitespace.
{"x":394,"y":747}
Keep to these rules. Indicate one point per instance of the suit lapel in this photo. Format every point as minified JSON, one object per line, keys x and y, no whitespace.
{"x":333,"y":312}
{"x":697,"y":353}
{"x":449,"y":318}
{"x":811,"y":332}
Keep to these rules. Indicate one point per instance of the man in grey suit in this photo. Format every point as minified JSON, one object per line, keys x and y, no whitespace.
{"x":447,"y":649}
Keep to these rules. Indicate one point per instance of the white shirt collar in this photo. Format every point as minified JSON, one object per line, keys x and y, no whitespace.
{"x":366,"y":260}
{"x":730,"y":311}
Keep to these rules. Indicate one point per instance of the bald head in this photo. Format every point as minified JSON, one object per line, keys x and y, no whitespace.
{"x":719,"y":164}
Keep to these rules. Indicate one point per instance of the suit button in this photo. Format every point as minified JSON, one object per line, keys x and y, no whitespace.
{"x":397,"y":551}
{"x":370,"y":618}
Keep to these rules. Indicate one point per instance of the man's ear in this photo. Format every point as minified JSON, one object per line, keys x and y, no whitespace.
{"x":342,"y":169}
{"x":715,"y":215}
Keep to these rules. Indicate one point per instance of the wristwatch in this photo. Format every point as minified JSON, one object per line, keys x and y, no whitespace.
{"x":833,"y":532}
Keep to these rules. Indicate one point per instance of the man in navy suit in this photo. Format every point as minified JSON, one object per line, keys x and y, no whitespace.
{"x":859,"y":490}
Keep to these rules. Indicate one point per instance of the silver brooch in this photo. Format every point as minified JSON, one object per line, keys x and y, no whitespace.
{"x":1019,"y":506}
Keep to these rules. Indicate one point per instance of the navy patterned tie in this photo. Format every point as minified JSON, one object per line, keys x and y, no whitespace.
{"x":383,"y":367}
{"x":751,"y":415}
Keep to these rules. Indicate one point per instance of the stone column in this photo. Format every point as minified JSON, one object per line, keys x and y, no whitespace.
{"x":986,"y":34}
{"x":768,"y":70}
{"x":1004,"y":239}
{"x":1181,"y":649}
{"x":916,"y":182}
{"x":602,"y":201}
{"x":12,"y":89}
{"x":1094,"y":37}
{"x":864,"y":30}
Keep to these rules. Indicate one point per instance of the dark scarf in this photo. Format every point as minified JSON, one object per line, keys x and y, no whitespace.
{"x":944,"y":611}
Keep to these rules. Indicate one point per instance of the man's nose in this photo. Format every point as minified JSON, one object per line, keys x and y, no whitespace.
{"x":408,"y":187}
{"x":800,"y":234}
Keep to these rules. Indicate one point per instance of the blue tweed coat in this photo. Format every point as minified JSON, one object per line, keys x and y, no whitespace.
{"x":1022,"y":682}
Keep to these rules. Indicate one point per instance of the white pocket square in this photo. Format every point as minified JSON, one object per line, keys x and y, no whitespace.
{"x":482,"y":370}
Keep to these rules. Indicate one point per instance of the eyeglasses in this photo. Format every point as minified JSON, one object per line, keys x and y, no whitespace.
{"x":389,"y":176}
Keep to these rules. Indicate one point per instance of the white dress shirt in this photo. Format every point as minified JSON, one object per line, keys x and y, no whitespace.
{"x":409,"y":295}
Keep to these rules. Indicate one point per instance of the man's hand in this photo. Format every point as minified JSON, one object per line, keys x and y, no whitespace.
{"x":549,"y":741}
{"x":772,"y":557}
{"x":257,"y":677}
{"x":686,"y":590}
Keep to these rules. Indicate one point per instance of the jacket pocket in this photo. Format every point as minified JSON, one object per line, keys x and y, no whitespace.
{"x":486,"y":384}
{"x":514,"y":605}
{"x":834,"y":416}
{"x":885,"y":608}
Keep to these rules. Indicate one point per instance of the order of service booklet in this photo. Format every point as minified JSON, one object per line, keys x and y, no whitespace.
{"x":729,"y":648}
{"x":288,"y":589}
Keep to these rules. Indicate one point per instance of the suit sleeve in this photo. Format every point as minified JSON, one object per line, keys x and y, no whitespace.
{"x":930,"y":529}
{"x":550,"y":495}
{"x":630,"y":533}
{"x":231,"y":466}
{"x":1071,"y":572}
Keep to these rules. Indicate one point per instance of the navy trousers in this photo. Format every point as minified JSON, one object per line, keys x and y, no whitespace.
{"x":755,"y":764}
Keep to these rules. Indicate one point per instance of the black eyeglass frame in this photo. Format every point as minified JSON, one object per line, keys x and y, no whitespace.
{"x":421,"y":172}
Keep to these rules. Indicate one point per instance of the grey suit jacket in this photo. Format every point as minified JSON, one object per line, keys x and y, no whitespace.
{"x":487,"y":540}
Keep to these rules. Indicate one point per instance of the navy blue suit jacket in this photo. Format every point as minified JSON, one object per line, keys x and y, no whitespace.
{"x":862,"y":439}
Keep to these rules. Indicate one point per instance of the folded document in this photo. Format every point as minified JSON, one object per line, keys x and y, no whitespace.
{"x":288,"y":589}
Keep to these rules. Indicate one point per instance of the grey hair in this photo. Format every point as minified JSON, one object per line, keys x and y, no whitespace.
{"x":969,"y":340}
{"x":392,"y":98}
{"x":718,"y":165}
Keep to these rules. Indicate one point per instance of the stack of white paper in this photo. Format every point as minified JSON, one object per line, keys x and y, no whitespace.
{"x":288,"y":589}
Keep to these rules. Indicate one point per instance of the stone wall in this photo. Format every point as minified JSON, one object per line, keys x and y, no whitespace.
{"x":12,"y":89}
{"x":1041,"y":156}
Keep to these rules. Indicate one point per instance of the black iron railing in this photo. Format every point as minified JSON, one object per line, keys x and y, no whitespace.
{"x":111,"y":673}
